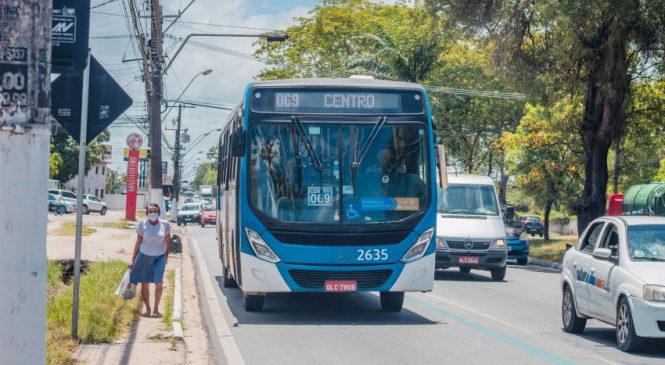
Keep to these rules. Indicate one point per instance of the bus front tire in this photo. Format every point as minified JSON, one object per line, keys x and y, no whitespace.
{"x":392,"y":301}
{"x":252,"y":303}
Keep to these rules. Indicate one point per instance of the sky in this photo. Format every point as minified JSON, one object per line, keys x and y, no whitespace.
{"x":110,"y":44}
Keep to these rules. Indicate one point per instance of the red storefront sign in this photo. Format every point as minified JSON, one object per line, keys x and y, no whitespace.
{"x":132,"y":184}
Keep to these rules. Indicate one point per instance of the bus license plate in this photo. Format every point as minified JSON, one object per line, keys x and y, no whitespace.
{"x":468,"y":259}
{"x":341,"y":286}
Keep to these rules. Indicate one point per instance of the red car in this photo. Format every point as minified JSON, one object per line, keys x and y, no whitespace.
{"x":208,"y":215}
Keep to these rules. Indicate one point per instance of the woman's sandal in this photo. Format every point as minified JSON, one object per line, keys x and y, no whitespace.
{"x":157,"y":315}
{"x":146,"y":314}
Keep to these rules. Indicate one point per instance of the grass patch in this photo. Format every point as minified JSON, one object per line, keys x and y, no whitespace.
{"x":103,"y":316}
{"x":168,"y":298}
{"x":123,"y":224}
{"x":140,"y":215}
{"x":552,"y":250}
{"x":68,"y":228}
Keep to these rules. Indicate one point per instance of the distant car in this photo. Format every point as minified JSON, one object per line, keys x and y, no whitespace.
{"x":517,"y":240}
{"x":189,"y":213}
{"x":208,"y":214}
{"x":616,"y":274}
{"x":92,"y":203}
{"x":56,"y":204}
{"x":67,"y":196}
{"x":533,"y":226}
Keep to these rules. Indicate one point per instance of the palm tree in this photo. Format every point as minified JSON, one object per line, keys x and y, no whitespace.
{"x":408,"y":58}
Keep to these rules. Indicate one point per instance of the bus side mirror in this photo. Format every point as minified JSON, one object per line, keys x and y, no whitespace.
{"x":443,"y":167}
{"x":238,"y":142}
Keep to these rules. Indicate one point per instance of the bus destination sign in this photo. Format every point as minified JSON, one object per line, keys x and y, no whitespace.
{"x":336,"y":102}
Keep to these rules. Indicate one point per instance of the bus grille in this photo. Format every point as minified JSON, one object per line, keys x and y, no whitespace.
{"x":314,"y":279}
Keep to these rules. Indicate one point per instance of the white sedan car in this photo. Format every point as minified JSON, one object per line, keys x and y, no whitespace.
{"x":616,"y":274}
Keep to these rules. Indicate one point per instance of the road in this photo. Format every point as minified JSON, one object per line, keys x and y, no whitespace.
{"x":466,"y":319}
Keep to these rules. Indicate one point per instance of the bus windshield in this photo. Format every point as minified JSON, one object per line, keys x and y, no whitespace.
{"x":390,"y":184}
{"x":468,"y":199}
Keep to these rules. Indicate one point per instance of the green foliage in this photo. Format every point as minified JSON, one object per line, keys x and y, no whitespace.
{"x":55,"y":161}
{"x":68,"y":150}
{"x":113,"y":180}
{"x":103,"y":316}
{"x":544,"y":156}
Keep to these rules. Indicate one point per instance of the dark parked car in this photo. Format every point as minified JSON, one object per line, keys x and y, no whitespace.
{"x":533,"y":226}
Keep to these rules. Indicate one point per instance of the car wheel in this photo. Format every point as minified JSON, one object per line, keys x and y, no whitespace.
{"x":202,"y":224}
{"x":522,"y":261}
{"x":498,"y":274}
{"x":252,"y":303}
{"x":85,"y":210}
{"x":465,"y":270}
{"x":540,"y":234}
{"x":178,"y":222}
{"x":571,"y":322}
{"x":103,"y":211}
{"x":184,"y":223}
{"x":627,"y":339}
{"x":392,"y":301}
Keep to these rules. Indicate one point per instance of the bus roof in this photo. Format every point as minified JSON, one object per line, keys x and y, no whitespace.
{"x":328,"y":82}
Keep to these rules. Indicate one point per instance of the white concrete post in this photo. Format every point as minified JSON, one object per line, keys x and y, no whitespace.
{"x":24,"y":169}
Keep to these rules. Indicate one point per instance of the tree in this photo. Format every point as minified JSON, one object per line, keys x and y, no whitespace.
{"x":544,"y":157}
{"x":55,"y":162}
{"x":113,"y":181}
{"x":601,"y":47}
{"x":322,"y":43}
{"x":68,"y":149}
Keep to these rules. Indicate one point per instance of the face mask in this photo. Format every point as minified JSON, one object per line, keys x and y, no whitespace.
{"x":153,"y":216}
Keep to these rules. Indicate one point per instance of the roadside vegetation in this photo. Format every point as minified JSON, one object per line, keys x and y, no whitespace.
{"x":550,"y":250}
{"x":168,"y":298}
{"x":122,"y":224}
{"x":68,"y":228}
{"x":103,"y":316}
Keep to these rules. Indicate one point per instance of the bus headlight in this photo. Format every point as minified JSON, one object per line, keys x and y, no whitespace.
{"x":260,"y":247}
{"x":499,"y":244}
{"x":418,"y":249}
{"x":654,"y":292}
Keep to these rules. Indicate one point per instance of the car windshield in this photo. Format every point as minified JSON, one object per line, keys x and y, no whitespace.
{"x":468,"y":199}
{"x":389,"y":184}
{"x":647,"y":242}
{"x":188,"y":207}
{"x":208,"y":208}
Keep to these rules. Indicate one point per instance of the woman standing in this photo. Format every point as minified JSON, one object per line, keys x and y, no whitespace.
{"x":153,"y":243}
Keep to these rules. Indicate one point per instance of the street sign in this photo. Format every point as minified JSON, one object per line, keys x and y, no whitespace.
{"x":107,"y":101}
{"x":143,"y":154}
{"x":134,"y":141}
{"x":70,"y":25}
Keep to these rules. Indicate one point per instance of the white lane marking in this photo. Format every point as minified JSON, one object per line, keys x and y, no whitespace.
{"x":478,"y":313}
{"x":222,"y":329}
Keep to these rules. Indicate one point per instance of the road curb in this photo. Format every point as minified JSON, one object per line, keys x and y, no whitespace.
{"x":543,"y":263}
{"x":222,"y":342}
{"x":176,"y":319}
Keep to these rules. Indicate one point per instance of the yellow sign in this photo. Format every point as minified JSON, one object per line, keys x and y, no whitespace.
{"x":143,"y":153}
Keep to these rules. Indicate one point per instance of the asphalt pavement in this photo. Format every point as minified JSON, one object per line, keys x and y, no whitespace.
{"x":466,"y":319}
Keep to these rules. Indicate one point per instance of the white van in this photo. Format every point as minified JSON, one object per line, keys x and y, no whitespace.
{"x":470,"y":230}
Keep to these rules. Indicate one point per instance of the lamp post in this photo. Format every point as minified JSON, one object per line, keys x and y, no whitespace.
{"x":176,"y":157}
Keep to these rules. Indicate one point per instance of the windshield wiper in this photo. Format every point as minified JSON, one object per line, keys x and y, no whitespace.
{"x":649,"y":258}
{"x":308,"y":145}
{"x":372,"y":136}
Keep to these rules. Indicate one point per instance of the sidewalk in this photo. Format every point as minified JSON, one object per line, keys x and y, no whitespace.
{"x":149,"y":340}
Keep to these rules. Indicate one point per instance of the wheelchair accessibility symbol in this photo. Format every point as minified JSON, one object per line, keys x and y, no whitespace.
{"x":352,"y":213}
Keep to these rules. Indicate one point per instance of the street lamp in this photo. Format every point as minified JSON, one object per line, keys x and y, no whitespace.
{"x":204,"y":73}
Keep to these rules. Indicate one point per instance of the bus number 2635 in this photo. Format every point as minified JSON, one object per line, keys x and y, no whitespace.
{"x":373,"y":254}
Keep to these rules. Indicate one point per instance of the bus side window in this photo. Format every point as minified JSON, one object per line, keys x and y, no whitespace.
{"x":227,"y":161}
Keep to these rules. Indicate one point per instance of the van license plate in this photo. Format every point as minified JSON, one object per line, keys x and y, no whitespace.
{"x":341,"y":286}
{"x":468,"y":259}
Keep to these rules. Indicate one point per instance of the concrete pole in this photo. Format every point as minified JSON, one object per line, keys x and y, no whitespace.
{"x":24,"y":169}
{"x":176,"y":169}
{"x":155,"y":101}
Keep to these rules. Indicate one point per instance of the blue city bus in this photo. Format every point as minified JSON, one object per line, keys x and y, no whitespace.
{"x":328,"y":185}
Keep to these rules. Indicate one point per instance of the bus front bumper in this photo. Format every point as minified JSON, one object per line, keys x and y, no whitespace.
{"x":259,"y":276}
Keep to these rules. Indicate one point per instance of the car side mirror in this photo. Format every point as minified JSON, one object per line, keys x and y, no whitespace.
{"x":602,"y":253}
{"x":238,"y":142}
{"x":568,"y":246}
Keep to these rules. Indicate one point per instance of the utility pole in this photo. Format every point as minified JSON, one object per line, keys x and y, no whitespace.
{"x":154,"y":102}
{"x":176,"y":167}
{"x":25,"y":42}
